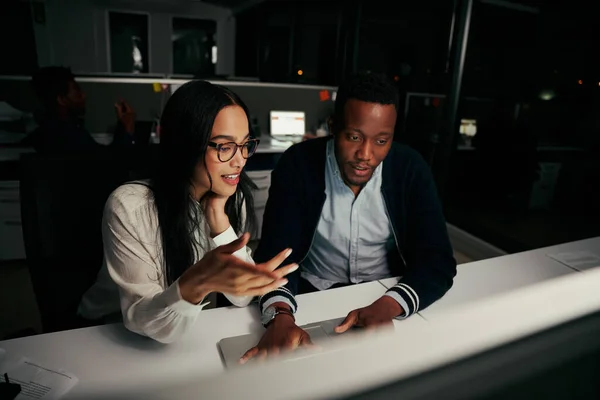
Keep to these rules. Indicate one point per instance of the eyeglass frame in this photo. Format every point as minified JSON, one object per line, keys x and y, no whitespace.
{"x":218,"y":146}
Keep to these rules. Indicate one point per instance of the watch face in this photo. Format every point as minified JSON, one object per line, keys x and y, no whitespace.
{"x":268,"y":315}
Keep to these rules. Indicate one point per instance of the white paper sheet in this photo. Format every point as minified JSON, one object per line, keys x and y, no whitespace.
{"x":578,"y":260}
{"x":38,"y":382}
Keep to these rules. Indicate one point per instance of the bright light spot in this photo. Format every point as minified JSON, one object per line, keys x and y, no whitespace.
{"x":580,"y":82}
{"x":138,"y":62}
{"x":547,"y":94}
{"x":213,"y":58}
{"x":300,"y":72}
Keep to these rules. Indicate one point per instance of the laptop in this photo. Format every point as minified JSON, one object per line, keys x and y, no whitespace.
{"x":233,"y":348}
{"x":288,"y":126}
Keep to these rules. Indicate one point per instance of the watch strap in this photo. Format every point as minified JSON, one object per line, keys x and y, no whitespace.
{"x":281,"y":310}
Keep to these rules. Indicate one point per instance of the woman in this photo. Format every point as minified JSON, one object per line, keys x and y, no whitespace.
{"x":170,"y":241}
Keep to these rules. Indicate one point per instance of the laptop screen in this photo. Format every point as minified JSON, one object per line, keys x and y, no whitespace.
{"x":288,"y":123}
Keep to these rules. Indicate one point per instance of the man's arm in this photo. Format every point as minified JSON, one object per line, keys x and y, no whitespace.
{"x":430,"y":261}
{"x":282,"y":228}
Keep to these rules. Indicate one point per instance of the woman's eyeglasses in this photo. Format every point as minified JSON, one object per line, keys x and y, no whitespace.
{"x":226,"y":151}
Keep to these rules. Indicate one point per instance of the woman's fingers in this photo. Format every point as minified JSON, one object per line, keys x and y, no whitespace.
{"x":253,"y":287}
{"x":268,"y":277}
{"x":234,"y":246}
{"x":261,"y":290}
{"x":254,"y":280}
{"x":276,"y":261}
{"x":288,"y":269}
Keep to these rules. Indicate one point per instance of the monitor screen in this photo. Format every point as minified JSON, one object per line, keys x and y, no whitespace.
{"x":468,"y":127}
{"x":288,"y":123}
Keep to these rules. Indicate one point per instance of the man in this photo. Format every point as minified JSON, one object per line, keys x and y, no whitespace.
{"x":354,"y":207}
{"x":61,"y":127}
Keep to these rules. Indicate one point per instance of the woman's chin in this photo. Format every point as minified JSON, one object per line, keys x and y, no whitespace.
{"x":226,"y":191}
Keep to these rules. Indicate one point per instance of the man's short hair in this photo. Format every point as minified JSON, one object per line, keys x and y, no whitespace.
{"x":51,"y":82}
{"x":367,"y":87}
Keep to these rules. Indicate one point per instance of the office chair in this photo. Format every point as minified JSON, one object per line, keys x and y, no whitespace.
{"x":62,"y":201}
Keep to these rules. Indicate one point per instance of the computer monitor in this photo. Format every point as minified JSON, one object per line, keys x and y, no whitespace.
{"x":468,"y":127}
{"x":287,"y":123}
{"x":558,"y":363}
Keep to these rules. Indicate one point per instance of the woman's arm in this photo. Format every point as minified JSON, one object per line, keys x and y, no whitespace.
{"x":134,"y":262}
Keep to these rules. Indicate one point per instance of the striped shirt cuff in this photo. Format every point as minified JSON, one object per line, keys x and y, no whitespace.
{"x":278,"y":295}
{"x":406,"y":297}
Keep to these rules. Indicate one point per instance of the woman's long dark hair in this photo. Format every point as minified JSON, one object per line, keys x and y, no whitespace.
{"x":185,"y":129}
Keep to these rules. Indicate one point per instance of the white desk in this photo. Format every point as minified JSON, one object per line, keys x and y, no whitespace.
{"x":588,"y":245}
{"x":477,"y":280}
{"x":111,"y":357}
{"x":371,"y":362}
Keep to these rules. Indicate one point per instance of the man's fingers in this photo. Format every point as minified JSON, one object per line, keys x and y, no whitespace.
{"x":377,"y":325}
{"x":348,"y":322}
{"x":248,"y":355}
{"x":307,"y":342}
{"x":289,"y":346}
{"x":236,"y":245}
{"x":273,"y":351}
{"x":312,"y":346}
{"x":371,"y":327}
{"x":276,"y":261}
{"x":261,"y":355}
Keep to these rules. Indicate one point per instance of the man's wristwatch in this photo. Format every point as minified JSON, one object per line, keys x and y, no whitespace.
{"x":271,"y":312}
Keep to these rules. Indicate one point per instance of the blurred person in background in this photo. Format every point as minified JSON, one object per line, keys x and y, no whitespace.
{"x":61,"y":124}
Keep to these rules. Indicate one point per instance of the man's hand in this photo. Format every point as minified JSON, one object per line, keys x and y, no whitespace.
{"x":125,"y":115}
{"x":282,"y":334}
{"x":380,"y":313}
